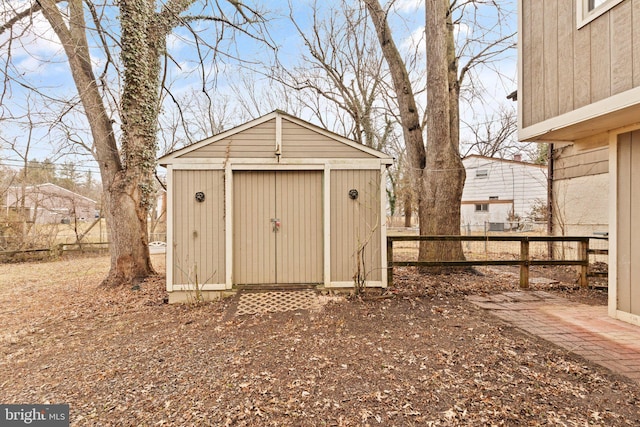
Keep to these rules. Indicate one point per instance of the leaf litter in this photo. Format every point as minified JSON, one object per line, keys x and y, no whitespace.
{"x":417,"y":355}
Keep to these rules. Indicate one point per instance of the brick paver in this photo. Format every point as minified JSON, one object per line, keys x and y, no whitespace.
{"x":579,"y":328}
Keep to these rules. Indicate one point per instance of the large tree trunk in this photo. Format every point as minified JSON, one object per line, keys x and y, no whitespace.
{"x":127,"y":222}
{"x":411,"y":129}
{"x":444,"y":172}
{"x":124,"y":209}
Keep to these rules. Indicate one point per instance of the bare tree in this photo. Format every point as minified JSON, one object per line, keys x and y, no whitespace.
{"x":438,"y":170}
{"x":341,"y":68}
{"x":126,"y":167}
{"x":495,"y":137}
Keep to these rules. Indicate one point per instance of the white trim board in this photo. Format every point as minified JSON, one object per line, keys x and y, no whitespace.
{"x":584,"y":15}
{"x":622,"y":109}
{"x":256,"y":163}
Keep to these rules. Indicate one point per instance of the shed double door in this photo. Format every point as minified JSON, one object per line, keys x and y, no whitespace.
{"x":277,"y":227}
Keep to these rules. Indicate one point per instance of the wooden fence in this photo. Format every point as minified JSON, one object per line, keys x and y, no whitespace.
{"x":59,"y":249}
{"x":524,"y":260}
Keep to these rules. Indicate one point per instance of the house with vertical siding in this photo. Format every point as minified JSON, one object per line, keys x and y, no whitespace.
{"x":579,"y":84}
{"x":275,"y":202}
{"x":500,"y":194}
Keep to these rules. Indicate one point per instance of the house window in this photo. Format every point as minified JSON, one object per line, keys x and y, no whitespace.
{"x":482,"y":173}
{"x":482,"y":207}
{"x":588,"y":10}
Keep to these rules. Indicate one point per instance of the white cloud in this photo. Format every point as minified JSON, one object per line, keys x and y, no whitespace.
{"x":408,"y":6}
{"x":175,"y":42}
{"x":415,"y":40}
{"x":461,"y":30}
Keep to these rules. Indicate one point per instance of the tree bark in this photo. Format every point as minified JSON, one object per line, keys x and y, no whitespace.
{"x":126,"y":171}
{"x":125,"y":213}
{"x":409,"y":117}
{"x":408,"y":211}
{"x":444,"y":174}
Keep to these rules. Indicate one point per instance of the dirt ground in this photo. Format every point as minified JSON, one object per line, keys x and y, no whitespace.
{"x":419,"y":355}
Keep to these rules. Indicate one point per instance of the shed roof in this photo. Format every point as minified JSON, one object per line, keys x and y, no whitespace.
{"x":276,"y":134}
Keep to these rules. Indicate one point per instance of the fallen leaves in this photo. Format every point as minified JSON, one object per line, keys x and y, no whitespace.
{"x":422,"y":355}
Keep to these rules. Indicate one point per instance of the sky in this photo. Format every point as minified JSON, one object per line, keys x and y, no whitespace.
{"x":38,"y":61}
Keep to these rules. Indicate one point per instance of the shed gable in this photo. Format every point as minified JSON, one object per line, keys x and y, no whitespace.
{"x":300,"y":141}
{"x":292,"y":138}
{"x":255,"y":142}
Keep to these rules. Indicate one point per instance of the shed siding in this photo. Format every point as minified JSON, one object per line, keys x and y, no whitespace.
{"x":299,"y":246}
{"x":298,"y":142}
{"x":355,"y":222}
{"x":291,"y":255}
{"x":255,"y":142}
{"x":575,"y":67}
{"x":198,"y":227}
{"x":254,"y":258}
{"x":301,"y":142}
{"x":628,"y":234}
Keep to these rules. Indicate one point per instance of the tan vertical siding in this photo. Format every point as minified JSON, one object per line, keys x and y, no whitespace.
{"x":299,"y":245}
{"x":628,"y":233}
{"x":566,"y":13}
{"x":565,"y":68}
{"x":526,"y":97}
{"x":294,"y":253}
{"x":634,"y":297}
{"x":635,"y":15}
{"x":582,"y":66}
{"x":537,"y":62}
{"x":600,"y":59}
{"x":621,"y":48}
{"x":624,"y":223}
{"x":354,"y":222}
{"x":550,"y":62}
{"x":199,"y":253}
{"x":634,"y":304}
{"x":254,"y":244}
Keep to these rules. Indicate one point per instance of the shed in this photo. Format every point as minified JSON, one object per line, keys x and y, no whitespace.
{"x":277,"y":202}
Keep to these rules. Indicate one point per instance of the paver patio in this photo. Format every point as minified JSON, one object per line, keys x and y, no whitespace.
{"x":579,"y":328}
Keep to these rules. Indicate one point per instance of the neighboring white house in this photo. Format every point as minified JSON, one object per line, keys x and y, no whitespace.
{"x":500,"y":194}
